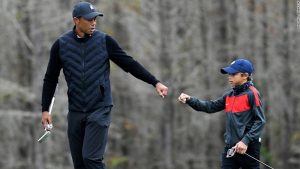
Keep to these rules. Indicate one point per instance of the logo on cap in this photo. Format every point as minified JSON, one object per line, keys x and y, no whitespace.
{"x":91,"y":6}
{"x":239,"y":65}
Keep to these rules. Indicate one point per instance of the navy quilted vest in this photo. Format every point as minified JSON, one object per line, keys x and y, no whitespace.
{"x":86,"y":70}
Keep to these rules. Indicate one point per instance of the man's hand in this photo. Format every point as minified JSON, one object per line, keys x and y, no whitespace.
{"x":46,"y":120}
{"x":241,"y":147}
{"x":161,"y":89}
{"x":183,"y":98}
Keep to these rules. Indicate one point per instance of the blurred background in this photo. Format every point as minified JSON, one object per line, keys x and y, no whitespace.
{"x":183,"y":43}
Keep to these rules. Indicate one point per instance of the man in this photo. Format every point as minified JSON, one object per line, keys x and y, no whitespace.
{"x":84,"y":53}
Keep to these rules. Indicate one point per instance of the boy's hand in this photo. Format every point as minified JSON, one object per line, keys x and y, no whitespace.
{"x":183,"y":98}
{"x":241,"y":147}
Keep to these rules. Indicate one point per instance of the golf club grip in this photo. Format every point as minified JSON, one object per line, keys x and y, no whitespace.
{"x":51,"y":105}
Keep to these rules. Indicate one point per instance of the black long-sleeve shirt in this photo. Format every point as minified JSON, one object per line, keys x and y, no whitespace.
{"x":115,"y":53}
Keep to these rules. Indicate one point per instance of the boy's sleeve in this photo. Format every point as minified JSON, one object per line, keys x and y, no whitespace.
{"x":258,"y":120}
{"x":211,"y":106}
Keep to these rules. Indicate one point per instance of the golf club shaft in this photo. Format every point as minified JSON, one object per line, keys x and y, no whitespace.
{"x":47,"y":132}
{"x":44,"y":136}
{"x":51,"y":105}
{"x":258,"y":161}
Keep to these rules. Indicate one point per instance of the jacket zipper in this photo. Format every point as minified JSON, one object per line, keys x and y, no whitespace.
{"x":232,"y":104}
{"x":232,"y":119}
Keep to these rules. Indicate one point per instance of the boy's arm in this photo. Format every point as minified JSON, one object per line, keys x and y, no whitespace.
{"x":259,"y":119}
{"x":207,"y":106}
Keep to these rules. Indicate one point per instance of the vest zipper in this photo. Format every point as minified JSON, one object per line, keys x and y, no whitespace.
{"x":83,"y":77}
{"x":83,"y":64}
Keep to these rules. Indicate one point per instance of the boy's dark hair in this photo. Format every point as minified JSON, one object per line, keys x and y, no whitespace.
{"x":249,"y":78}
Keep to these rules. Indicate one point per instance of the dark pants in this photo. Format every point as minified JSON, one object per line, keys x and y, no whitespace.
{"x":87,"y":133}
{"x":241,"y":160}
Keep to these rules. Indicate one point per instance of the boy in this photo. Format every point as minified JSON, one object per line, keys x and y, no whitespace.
{"x":245,"y":118}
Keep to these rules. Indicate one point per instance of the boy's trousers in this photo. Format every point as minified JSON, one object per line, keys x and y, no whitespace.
{"x":242,"y":160}
{"x":87,"y":133}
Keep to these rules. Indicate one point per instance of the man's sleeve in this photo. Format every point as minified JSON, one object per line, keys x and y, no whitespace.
{"x":51,"y":76}
{"x":258,"y":120}
{"x":127,"y":63}
{"x":211,"y":106}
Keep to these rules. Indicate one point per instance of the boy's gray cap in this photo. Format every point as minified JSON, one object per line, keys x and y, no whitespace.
{"x":85,"y":10}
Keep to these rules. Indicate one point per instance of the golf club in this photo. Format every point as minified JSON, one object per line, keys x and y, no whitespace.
{"x":49,"y":126}
{"x":231,"y":152}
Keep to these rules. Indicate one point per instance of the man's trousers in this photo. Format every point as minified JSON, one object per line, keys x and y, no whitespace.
{"x":87,"y":133}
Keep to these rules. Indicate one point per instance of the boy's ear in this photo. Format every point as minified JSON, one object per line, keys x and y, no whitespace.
{"x":245,"y":74}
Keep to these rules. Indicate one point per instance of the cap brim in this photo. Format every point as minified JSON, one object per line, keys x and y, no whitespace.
{"x":227,"y":70}
{"x":92,"y":15}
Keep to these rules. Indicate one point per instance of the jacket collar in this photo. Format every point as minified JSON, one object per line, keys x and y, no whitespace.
{"x":241,"y":88}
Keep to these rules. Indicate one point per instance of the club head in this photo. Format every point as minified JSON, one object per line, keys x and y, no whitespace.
{"x":44,"y":136}
{"x":230,"y":152}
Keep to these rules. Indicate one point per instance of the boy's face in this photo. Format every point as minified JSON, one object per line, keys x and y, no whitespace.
{"x":236,"y":79}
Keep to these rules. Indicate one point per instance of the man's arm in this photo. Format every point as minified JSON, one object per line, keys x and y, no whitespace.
{"x":128,"y":64}
{"x":50,"y":82}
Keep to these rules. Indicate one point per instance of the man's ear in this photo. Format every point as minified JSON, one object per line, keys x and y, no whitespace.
{"x":75,"y":20}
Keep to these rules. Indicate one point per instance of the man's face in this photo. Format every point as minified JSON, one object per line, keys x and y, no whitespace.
{"x":84,"y":26}
{"x":236,"y":79}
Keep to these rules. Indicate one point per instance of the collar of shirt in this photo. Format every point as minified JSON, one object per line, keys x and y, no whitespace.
{"x":78,"y":38}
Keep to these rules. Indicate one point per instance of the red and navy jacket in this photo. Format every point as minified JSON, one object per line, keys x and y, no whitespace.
{"x":245,"y":117}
